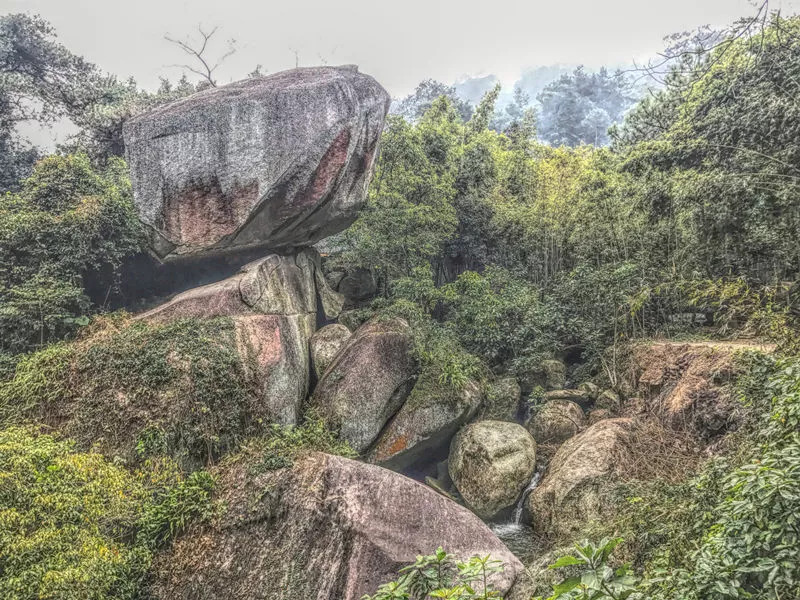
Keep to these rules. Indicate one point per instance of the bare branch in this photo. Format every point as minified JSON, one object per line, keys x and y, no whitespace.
{"x":205,"y":70}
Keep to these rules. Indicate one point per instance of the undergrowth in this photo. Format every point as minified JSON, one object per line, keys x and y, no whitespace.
{"x":141,"y":389}
{"x":74,"y":526}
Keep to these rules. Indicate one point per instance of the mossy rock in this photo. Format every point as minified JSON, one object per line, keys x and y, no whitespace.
{"x":134,"y":389}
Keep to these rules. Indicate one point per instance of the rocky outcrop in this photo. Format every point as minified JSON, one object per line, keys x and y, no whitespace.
{"x":502,"y":400}
{"x":426,"y":422}
{"x":325,"y":344}
{"x":491,"y":463}
{"x":569,"y":492}
{"x":549,"y":375}
{"x":274,"y":162}
{"x":556,"y":421}
{"x":274,"y":351}
{"x":686,"y":384}
{"x":327,"y":528}
{"x":367,"y":382}
{"x":275,"y":285}
{"x":577,"y":396}
{"x":273,"y":302}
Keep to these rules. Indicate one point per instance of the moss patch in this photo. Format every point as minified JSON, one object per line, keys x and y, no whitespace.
{"x":139,"y":389}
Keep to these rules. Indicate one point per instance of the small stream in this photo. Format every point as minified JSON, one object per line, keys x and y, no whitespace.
{"x":519,"y":538}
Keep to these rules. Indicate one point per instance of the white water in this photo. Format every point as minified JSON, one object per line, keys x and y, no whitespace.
{"x":537,"y":476}
{"x":513,"y":526}
{"x":519,"y":538}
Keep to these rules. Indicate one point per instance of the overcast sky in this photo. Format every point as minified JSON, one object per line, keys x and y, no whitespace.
{"x":399,"y":42}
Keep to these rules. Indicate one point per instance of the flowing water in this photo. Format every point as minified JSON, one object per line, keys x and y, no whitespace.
{"x":519,"y":538}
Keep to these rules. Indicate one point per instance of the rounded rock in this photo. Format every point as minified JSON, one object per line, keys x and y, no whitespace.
{"x":491,"y":463}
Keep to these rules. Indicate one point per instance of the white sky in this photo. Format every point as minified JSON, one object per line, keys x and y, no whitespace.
{"x":400,"y":43}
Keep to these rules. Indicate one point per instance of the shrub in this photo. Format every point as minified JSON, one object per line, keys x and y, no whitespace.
{"x":597,"y":580}
{"x":283,"y":444}
{"x":74,"y":526}
{"x":67,"y":223}
{"x":441,"y":575}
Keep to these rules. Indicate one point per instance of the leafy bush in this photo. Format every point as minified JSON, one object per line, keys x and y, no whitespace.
{"x":283,"y":444}
{"x":597,"y":579}
{"x":441,"y":575}
{"x":171,"y":509}
{"x":752,"y":548}
{"x":731,"y":531}
{"x":67,"y":223}
{"x":74,"y":526}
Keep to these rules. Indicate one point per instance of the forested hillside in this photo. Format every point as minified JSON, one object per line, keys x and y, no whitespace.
{"x":577,"y":319}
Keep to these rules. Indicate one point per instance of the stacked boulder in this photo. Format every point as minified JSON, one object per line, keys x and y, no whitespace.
{"x":277,"y":163}
{"x":270,"y":166}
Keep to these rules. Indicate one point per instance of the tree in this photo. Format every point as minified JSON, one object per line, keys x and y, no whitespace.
{"x":198,"y":51}
{"x":413,"y":106}
{"x":578,"y":107}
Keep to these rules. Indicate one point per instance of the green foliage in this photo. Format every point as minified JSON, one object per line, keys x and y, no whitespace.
{"x":38,"y":378}
{"x":441,"y":575}
{"x":500,"y":318}
{"x":283,"y":444}
{"x":725,"y":146}
{"x":171,"y":509}
{"x":442,"y":360}
{"x":69,"y":222}
{"x":731,"y":531}
{"x":752,"y":548}
{"x":75,"y":527}
{"x":597,"y":580}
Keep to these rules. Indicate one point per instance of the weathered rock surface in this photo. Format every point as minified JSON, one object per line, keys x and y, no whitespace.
{"x":590,"y":389}
{"x":273,"y":302}
{"x":596,"y":415}
{"x":556,"y":421}
{"x":274,"y":285}
{"x":686,"y":383}
{"x":367,"y":382}
{"x":328,"y":528}
{"x":274,"y":351}
{"x":491,"y":463}
{"x":609,"y":400}
{"x":549,"y":375}
{"x":577,"y":396}
{"x":427,"y":421}
{"x":569,"y":492}
{"x":325,"y":344}
{"x":277,"y":162}
{"x":502,"y":400}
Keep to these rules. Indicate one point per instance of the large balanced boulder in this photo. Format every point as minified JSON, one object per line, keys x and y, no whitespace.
{"x":327,"y":528}
{"x":426,"y":422}
{"x":277,"y":162}
{"x":367,"y":382}
{"x":569,"y":495}
{"x":491,"y":463}
{"x":273,"y":303}
{"x":325,"y":344}
{"x":556,"y":421}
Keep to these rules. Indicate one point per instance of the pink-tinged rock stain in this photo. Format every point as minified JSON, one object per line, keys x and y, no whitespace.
{"x":262,"y":335}
{"x":204,"y":215}
{"x":326,"y":172}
